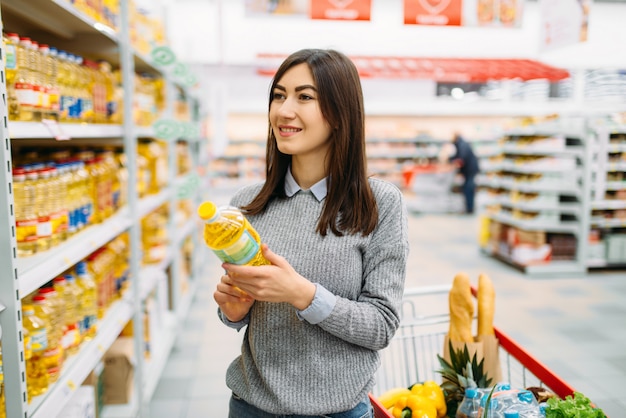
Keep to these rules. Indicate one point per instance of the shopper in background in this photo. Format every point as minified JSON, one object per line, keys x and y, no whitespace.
{"x":466,"y":160}
{"x":338,"y":244}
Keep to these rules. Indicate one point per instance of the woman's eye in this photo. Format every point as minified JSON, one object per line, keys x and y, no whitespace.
{"x":278,"y":96}
{"x":306,"y":97}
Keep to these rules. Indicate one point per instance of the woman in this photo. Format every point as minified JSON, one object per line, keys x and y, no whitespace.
{"x":337,"y":242}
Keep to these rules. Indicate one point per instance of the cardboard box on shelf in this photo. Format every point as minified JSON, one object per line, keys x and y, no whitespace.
{"x":118,"y":372}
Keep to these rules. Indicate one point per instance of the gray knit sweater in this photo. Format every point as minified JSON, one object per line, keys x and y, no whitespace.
{"x":290,"y":366}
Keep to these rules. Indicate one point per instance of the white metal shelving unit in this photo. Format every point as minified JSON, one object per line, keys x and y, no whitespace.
{"x":60,"y":24}
{"x":565,"y":180}
{"x":608,"y":204}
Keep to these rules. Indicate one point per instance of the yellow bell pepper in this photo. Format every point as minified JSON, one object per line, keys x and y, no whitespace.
{"x":433,"y":391}
{"x":414,"y":406}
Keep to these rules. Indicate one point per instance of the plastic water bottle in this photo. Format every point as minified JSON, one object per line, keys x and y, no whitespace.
{"x":470,"y":405}
{"x":229,"y":234}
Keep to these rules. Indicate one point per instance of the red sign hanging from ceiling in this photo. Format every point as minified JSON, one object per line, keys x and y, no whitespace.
{"x":341,"y":9}
{"x":460,"y":70}
{"x":433,"y":12}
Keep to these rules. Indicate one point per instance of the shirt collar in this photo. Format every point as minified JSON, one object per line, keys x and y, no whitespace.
{"x":292,"y":187}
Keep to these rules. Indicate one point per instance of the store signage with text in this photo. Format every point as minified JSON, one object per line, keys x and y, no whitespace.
{"x":341,"y":9}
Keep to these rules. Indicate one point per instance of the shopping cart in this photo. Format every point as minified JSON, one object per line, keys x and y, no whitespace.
{"x":431,"y":188}
{"x":412,"y":354}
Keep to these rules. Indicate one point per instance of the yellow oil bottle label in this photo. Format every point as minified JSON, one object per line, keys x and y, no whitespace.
{"x":38,"y":340}
{"x":26,"y":231}
{"x":241,"y":251}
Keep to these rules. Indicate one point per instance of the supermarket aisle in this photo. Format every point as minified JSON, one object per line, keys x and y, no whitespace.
{"x":573,"y":325}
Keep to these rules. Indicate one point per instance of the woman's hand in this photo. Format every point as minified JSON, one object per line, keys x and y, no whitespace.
{"x":277,"y":282}
{"x":233,"y":302}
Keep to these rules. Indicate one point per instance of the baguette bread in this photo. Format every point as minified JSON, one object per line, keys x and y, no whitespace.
{"x":461,"y":309}
{"x":486,"y":296}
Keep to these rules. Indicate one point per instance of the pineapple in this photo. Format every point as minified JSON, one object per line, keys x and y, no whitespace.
{"x":460,"y":373}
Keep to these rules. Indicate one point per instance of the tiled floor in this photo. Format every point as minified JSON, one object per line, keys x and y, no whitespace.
{"x":574,"y":325}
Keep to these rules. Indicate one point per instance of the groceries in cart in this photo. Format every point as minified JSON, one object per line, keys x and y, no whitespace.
{"x":468,"y":374}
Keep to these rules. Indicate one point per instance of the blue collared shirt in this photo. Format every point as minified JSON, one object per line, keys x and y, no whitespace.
{"x":324,"y":301}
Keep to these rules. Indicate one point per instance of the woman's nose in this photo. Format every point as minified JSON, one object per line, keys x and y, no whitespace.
{"x":286,"y":109}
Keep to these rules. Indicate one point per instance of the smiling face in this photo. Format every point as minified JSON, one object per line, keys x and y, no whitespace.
{"x":296,"y":117}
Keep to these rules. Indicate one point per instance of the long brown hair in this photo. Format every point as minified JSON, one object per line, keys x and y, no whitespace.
{"x":349,"y":206}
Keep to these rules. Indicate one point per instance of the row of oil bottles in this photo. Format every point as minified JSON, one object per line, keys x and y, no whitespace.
{"x":59,"y":194}
{"x":46,"y":83}
{"x":64,"y":313}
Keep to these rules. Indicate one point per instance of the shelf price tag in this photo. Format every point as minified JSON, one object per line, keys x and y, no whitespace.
{"x":71,"y":385}
{"x":55,"y":130}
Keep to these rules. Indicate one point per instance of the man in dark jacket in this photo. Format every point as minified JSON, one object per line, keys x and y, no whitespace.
{"x":466,"y":160}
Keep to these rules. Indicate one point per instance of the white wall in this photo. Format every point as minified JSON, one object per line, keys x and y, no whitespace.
{"x":218,"y":32}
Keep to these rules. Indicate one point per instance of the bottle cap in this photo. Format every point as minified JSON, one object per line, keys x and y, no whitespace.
{"x":81,"y":268}
{"x":207,"y":211}
{"x":526,"y":396}
{"x":511,"y":414}
{"x":471,"y":393}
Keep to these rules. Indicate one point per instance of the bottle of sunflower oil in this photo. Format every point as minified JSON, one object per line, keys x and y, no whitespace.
{"x":88,"y":302}
{"x":36,"y":370}
{"x":55,"y":303}
{"x":52,"y":356}
{"x":76,"y":293}
{"x":11,"y":40}
{"x":70,"y":329}
{"x":66,"y":99}
{"x":229,"y":234}
{"x":64,"y":179}
{"x":35,"y":73}
{"x":85,"y":184}
{"x":54,"y":92}
{"x":25,"y":215}
{"x":55,"y":204}
{"x":24,"y":91}
{"x":43,"y":206}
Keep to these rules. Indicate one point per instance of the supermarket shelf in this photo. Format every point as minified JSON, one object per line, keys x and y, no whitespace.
{"x":615,"y":185}
{"x":609,"y":223}
{"x":36,"y":270}
{"x":527,"y":169}
{"x":603,"y":263}
{"x":571,"y":227}
{"x":569,"y":208}
{"x":575,"y":151}
{"x":151,"y":202}
{"x":62,"y":131}
{"x":616,"y":148}
{"x":184,"y":231}
{"x":529,"y":187}
{"x":156,"y":365}
{"x":78,"y":367}
{"x":69,"y":29}
{"x":608,"y":204}
{"x":551,"y":268}
{"x":149,"y":277}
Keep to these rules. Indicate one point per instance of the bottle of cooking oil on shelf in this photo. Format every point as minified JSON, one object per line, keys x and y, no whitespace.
{"x":25,"y":215}
{"x":42,"y":206}
{"x":76,"y":293}
{"x":54,"y":94}
{"x":36,"y":371}
{"x":23,"y":83}
{"x":53,"y":354}
{"x":229,"y":234}
{"x":88,"y":302}
{"x":11,"y":41}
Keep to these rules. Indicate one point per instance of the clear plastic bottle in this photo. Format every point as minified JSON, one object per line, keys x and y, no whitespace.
{"x":23,"y":82}
{"x":69,"y":341}
{"x":53,"y":354}
{"x":76,"y":293}
{"x":468,"y":408}
{"x":88,"y":302}
{"x":229,"y":234}
{"x":36,"y":371}
{"x":11,"y":40}
{"x":55,"y":204}
{"x":42,"y":206}
{"x":25,"y":215}
{"x":54,"y":92}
